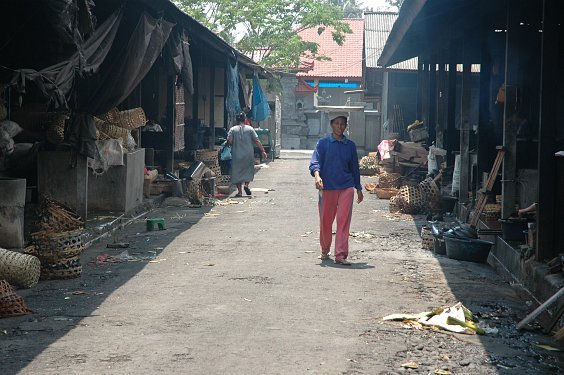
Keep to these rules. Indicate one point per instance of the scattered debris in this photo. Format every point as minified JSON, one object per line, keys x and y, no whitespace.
{"x":456,"y":318}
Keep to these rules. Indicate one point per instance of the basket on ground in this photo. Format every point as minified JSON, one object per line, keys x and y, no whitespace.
{"x":427,"y":238}
{"x":385,"y":193}
{"x":10,"y":303}
{"x":19,"y":269}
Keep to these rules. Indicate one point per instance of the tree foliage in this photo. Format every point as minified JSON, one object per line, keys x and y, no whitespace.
{"x":265,"y":30}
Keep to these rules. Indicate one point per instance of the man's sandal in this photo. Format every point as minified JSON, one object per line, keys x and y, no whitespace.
{"x":324,"y":256}
{"x":342,"y":262}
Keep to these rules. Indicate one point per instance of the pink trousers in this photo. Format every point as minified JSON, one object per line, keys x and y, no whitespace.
{"x":335,"y":203}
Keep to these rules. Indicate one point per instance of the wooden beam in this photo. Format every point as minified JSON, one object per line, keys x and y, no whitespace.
{"x":486,"y":145}
{"x":432,"y":111}
{"x":212,"y":105}
{"x":465,"y":126}
{"x":546,"y":213}
{"x":441,"y":105}
{"x":512,"y":58}
{"x":452,"y":134}
{"x":419,"y":98}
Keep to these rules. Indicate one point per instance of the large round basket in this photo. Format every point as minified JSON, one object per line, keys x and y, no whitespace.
{"x":206,"y":156}
{"x":385,"y":193}
{"x":59,"y":253}
{"x":411,"y":198}
{"x":131,"y":118}
{"x":387,"y":180}
{"x":394,"y":206}
{"x":10,"y":303}
{"x":111,"y":130}
{"x":56,"y":132}
{"x":19,"y":269}
{"x":111,"y":116}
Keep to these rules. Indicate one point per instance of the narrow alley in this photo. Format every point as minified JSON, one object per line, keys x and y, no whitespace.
{"x":238,"y":289}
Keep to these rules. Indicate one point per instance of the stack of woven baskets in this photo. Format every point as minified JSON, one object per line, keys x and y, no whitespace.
{"x":118,"y":124}
{"x":10,"y":303}
{"x":60,"y":242}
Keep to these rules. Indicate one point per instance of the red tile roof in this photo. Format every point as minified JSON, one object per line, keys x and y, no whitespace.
{"x":346,"y":60}
{"x":302,"y":86}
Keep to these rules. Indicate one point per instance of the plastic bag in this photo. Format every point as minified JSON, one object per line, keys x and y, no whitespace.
{"x":225,"y":152}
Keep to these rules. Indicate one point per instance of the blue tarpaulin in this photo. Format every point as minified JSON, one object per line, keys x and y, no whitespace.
{"x":260,"y":109}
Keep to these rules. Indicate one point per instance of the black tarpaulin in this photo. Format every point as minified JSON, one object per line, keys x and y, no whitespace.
{"x":180,"y":60}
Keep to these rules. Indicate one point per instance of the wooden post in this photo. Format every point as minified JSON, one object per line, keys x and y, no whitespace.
{"x":419,"y":100}
{"x":452,"y":134}
{"x":81,"y":186}
{"x":546,"y":213}
{"x":465,"y":125}
{"x":485,"y":145}
{"x":441,"y":105}
{"x":512,"y":56}
{"x":212,"y":105}
{"x":432,"y":109}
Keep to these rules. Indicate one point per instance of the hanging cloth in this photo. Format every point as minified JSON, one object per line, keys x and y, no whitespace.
{"x":232,"y":99}
{"x":260,"y":109}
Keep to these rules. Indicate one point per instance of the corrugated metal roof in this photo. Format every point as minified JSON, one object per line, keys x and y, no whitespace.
{"x":346,"y":60}
{"x":377,"y":27}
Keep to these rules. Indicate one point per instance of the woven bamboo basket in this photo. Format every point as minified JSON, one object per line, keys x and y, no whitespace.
{"x":412,"y":196}
{"x":394,"y":205}
{"x":111,"y":130}
{"x":67,"y":242}
{"x":223,"y":180}
{"x":411,"y":199}
{"x":131,"y":118}
{"x":427,"y":239}
{"x":430,"y":188}
{"x":492,"y":211}
{"x":59,"y":253}
{"x":56,"y":217}
{"x":206,"y":156}
{"x":56,"y":132}
{"x":385,"y":193}
{"x":19,"y":269}
{"x":5,"y":288}
{"x":389,"y":180}
{"x":10,"y":303}
{"x":111,"y":116}
{"x":62,"y":273}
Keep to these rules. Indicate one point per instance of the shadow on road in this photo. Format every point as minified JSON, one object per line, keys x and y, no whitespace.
{"x":58,"y":306}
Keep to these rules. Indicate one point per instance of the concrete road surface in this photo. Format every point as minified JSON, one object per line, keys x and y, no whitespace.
{"x":236,"y":289}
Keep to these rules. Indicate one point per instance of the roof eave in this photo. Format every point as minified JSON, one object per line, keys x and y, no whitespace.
{"x":408,"y":13}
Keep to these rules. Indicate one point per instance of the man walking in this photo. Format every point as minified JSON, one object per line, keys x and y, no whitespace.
{"x":334,"y":165}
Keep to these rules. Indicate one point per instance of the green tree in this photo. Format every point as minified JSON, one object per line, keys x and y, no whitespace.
{"x":266,"y":30}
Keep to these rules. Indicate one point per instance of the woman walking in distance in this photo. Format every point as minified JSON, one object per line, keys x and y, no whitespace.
{"x":334,"y":165}
{"x":242,"y":138}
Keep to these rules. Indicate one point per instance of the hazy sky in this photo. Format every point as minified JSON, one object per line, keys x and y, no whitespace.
{"x":377,"y":4}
